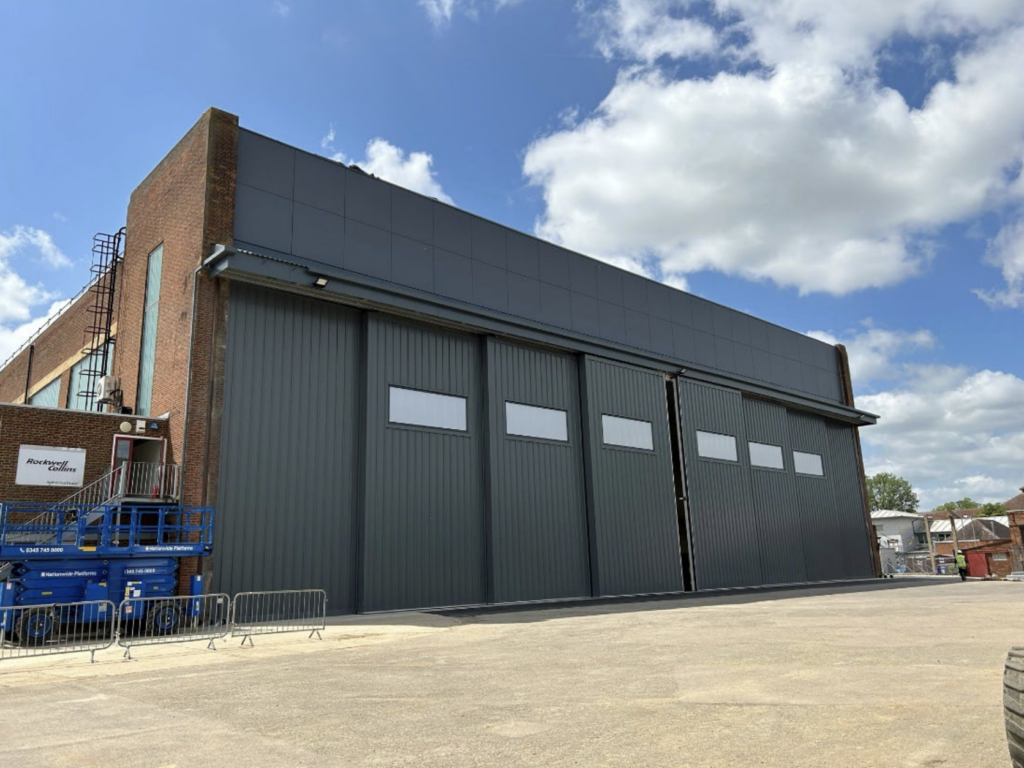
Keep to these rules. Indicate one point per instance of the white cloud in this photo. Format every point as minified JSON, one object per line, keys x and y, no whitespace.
{"x":649,"y":29}
{"x":1006,"y":251}
{"x":414,"y":170}
{"x":441,"y":12}
{"x":21,"y":239}
{"x":850,"y":34}
{"x":282,"y":9}
{"x":802,"y":168}
{"x":327,"y":142}
{"x":950,"y":431}
{"x":19,"y":298}
{"x":873,"y":351}
{"x":12,"y":337}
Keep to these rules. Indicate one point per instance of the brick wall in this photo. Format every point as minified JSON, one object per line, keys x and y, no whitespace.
{"x":54,"y":351}
{"x":1016,"y":541}
{"x":171,"y":207}
{"x":12,"y":378}
{"x":186,"y":204}
{"x":28,"y":425}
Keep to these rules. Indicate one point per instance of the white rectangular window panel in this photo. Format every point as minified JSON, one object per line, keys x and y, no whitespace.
{"x":532,"y":421}
{"x":628,"y":433}
{"x":764,"y":455}
{"x":711,"y":445}
{"x":807,"y":464}
{"x":426,"y":409}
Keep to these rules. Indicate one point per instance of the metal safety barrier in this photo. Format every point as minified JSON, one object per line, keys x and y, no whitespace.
{"x":161,"y":620}
{"x":56,"y":628}
{"x":268,"y":613}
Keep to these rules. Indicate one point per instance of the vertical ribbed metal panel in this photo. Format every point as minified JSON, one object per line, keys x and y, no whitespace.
{"x":538,"y":503}
{"x":724,"y":528}
{"x":634,"y":531}
{"x":816,"y":497}
{"x":779,"y":524}
{"x":424,"y":509}
{"x":843,"y":467}
{"x":288,"y":453}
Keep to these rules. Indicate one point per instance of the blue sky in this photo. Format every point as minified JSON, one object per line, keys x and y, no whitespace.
{"x":855,"y":177}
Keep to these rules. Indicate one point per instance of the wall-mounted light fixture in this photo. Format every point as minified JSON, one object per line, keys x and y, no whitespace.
{"x":320,"y":282}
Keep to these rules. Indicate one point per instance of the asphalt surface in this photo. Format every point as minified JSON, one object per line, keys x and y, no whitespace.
{"x":898,"y":673}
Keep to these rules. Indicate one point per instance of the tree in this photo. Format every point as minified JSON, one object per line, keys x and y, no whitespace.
{"x":889,"y":491}
{"x":964,"y":503}
{"x":992,"y":508}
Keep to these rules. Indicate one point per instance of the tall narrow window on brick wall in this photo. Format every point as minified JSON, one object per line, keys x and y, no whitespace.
{"x":48,"y":395}
{"x":147,"y":356}
{"x":77,"y":401}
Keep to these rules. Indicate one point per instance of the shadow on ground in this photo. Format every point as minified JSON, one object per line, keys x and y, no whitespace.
{"x":522,"y":613}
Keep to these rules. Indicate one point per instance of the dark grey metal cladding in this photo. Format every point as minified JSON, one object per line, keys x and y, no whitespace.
{"x":290,"y":202}
{"x":287,"y":483}
{"x":779,"y":523}
{"x":424,"y":524}
{"x":724,"y":526}
{"x":842,"y":466}
{"x":815,"y":496}
{"x":538,"y":503}
{"x":634,"y":531}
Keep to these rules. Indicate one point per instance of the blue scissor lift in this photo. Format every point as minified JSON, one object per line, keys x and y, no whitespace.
{"x":59,"y":554}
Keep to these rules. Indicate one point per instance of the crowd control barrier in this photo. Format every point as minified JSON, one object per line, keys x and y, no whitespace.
{"x":178,"y":619}
{"x":95,"y":625}
{"x":268,"y":613}
{"x":56,"y":628}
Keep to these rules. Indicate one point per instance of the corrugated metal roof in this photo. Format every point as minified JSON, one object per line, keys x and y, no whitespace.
{"x":943,"y":526}
{"x":880,"y":514}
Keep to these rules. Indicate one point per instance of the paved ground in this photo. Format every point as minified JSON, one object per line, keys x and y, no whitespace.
{"x":901,"y":673}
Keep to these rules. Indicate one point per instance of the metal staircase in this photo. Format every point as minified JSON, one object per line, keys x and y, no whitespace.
{"x":131,"y":483}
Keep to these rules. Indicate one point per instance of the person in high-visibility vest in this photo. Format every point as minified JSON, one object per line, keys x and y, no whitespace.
{"x":961,"y":564}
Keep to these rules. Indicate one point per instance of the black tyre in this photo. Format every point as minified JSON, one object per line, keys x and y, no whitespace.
{"x":35,"y":626}
{"x":163,"y":619}
{"x":1013,"y":705}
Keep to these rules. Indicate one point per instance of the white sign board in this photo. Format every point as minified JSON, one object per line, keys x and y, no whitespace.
{"x":42,"y":465}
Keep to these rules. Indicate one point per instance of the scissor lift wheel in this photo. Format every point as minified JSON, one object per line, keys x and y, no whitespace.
{"x":163,"y":619}
{"x":35,"y":626}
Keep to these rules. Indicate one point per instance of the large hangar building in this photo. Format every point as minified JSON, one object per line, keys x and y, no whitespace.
{"x":414,"y":407}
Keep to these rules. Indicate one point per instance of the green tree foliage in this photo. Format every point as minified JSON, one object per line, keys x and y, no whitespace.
{"x":889,"y":491}
{"x":952,"y":506}
{"x":992,"y":508}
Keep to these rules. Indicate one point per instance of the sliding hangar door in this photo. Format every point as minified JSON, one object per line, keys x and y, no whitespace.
{"x":774,"y":495}
{"x":400,"y":465}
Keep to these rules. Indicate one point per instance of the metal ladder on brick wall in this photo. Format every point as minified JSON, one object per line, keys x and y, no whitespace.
{"x":106,"y":260}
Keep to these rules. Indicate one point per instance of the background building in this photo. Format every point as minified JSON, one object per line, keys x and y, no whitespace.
{"x":411,"y":406}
